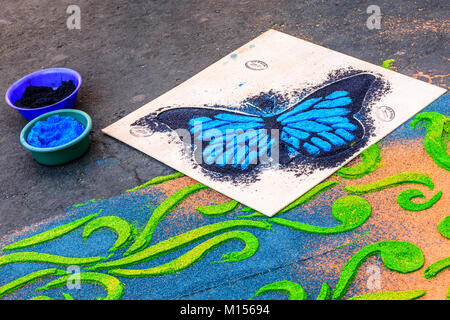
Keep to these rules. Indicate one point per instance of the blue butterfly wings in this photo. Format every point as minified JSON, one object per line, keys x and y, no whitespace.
{"x":320,"y":125}
{"x":234,"y":139}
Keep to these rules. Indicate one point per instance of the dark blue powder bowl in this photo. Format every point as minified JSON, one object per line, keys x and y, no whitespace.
{"x":66,"y":152}
{"x":49,"y":78}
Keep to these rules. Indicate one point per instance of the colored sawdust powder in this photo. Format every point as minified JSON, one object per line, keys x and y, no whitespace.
{"x":38,"y":97}
{"x":55,"y":131}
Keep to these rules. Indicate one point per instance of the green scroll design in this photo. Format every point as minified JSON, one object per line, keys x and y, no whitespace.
{"x":435,"y":268}
{"x":22,"y":257}
{"x":156,"y":181}
{"x":405,"y":197}
{"x":218,"y":210}
{"x":438,"y":130}
{"x":52,"y":234}
{"x":180,"y":241}
{"x":398,"y":256}
{"x":387,"y":64}
{"x":351,"y":211}
{"x":122,"y":228}
{"x":392,"y":181}
{"x":194,"y":255}
{"x":370,"y":161}
{"x":113,"y":286}
{"x":391,"y":295}
{"x":144,"y":238}
{"x":444,"y":227}
{"x":41,"y":298}
{"x":30,"y":278}
{"x":293,"y":290}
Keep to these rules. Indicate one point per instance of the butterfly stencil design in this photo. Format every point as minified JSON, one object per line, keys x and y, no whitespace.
{"x":320,"y":125}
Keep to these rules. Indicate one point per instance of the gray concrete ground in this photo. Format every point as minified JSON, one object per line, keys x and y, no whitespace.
{"x":130,"y":52}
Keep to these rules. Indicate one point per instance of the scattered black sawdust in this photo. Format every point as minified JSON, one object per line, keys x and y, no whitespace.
{"x":38,"y":97}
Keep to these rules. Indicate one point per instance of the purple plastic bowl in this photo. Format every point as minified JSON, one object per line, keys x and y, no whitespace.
{"x":50,"y":78}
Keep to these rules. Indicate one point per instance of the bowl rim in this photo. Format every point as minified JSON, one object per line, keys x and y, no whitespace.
{"x":15,"y":84}
{"x":86,"y":131}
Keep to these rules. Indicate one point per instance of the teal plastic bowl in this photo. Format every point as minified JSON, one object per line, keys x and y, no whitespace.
{"x":66,"y":152}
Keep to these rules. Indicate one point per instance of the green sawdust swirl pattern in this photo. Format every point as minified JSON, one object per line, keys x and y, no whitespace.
{"x":218,"y":209}
{"x":399,"y":256}
{"x":444,"y":227}
{"x":370,"y":161}
{"x":324,"y":293}
{"x":22,"y":257}
{"x":156,"y":181}
{"x":180,"y":241}
{"x":351,"y":211}
{"x":438,"y":131}
{"x":391,"y":295}
{"x":405,"y":197}
{"x":392,"y":181}
{"x":67,"y":296}
{"x":293,"y":290}
{"x":435,"y":268}
{"x":387,"y":64}
{"x":46,"y":298}
{"x":296,"y":292}
{"x":122,"y":228}
{"x":79,"y":205}
{"x":52,"y":234}
{"x":41,"y":298}
{"x":144,"y":238}
{"x":113,"y":286}
{"x":194,"y":255}
{"x":25,"y":280}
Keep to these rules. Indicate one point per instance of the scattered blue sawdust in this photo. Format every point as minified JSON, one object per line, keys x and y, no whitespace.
{"x":54,"y":132}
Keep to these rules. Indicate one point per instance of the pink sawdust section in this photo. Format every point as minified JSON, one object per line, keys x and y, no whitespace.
{"x":388,"y":222}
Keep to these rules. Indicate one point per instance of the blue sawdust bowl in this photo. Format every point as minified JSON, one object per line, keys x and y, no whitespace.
{"x":63,"y":153}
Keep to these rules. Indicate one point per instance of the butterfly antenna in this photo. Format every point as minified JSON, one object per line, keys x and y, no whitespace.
{"x":274,"y":99}
{"x":248,"y":104}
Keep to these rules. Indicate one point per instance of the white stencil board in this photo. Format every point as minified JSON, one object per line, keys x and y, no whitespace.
{"x":273,"y":62}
